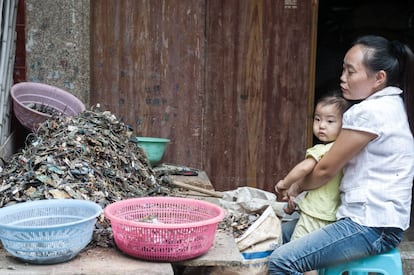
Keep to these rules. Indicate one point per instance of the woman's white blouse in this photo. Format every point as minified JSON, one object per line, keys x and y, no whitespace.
{"x":377,"y":182}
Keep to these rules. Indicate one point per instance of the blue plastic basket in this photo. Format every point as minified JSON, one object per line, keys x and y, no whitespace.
{"x":48,"y":231}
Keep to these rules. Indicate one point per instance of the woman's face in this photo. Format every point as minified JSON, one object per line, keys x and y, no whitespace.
{"x":357,"y":82}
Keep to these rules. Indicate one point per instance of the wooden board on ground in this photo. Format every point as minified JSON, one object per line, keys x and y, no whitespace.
{"x":224,"y":252}
{"x":201,"y":180}
{"x":94,"y":261}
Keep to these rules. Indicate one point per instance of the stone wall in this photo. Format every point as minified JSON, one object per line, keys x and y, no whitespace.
{"x":58,"y":43}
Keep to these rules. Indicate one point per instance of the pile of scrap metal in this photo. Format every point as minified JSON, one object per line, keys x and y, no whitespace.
{"x":90,"y":156}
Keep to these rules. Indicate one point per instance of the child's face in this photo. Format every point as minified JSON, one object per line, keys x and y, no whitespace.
{"x":327,"y":122}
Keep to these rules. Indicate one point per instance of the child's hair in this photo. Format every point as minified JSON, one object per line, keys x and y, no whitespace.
{"x":334,"y":98}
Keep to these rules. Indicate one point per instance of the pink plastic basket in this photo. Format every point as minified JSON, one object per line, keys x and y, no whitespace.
{"x":25,"y":93}
{"x":167,"y":229}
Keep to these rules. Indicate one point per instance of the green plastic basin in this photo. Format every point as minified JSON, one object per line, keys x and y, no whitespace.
{"x":153,"y":147}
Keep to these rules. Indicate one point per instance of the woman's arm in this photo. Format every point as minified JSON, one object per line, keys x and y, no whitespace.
{"x":348,"y":144}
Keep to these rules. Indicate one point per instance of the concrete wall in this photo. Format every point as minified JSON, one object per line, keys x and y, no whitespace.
{"x":58,"y":44}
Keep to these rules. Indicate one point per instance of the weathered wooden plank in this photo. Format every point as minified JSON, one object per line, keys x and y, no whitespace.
{"x":148,"y":69}
{"x":226,"y":81}
{"x":95,"y":261}
{"x":256,"y":90}
{"x":224,"y":252}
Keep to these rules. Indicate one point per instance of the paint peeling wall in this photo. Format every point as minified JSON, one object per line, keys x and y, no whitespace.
{"x":58,"y":44}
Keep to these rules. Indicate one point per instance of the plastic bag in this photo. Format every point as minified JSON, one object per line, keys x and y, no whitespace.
{"x":251,"y":200}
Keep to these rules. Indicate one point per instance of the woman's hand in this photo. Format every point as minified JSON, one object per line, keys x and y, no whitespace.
{"x":294,"y":190}
{"x":282,"y":194}
{"x":291,"y":206}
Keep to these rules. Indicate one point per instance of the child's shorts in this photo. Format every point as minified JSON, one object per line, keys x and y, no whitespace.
{"x":306,"y":225}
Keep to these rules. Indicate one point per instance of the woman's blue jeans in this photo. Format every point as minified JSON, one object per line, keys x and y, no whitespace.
{"x":338,"y":242}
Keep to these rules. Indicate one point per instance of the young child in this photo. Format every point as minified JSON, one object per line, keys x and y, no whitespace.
{"x":318,"y":207}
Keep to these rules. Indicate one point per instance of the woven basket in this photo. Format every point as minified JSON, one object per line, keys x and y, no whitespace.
{"x":166,"y":229}
{"x":48,"y":231}
{"x":25,"y":93}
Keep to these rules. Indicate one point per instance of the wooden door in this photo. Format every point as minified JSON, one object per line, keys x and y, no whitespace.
{"x":227,"y":81}
{"x":148,"y":69}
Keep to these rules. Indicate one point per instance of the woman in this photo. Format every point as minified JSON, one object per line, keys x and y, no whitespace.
{"x":375,"y":149}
